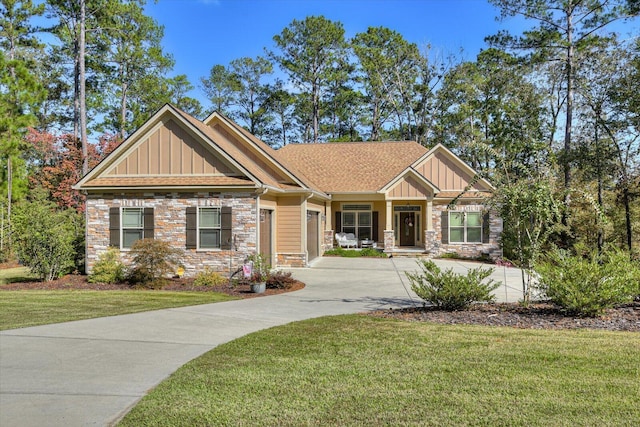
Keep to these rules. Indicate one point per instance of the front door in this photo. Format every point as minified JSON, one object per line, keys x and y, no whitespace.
{"x":407,"y":229}
{"x":266,"y":234}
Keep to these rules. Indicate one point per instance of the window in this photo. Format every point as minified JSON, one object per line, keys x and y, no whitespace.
{"x":358,"y":220}
{"x":209,"y":226}
{"x":465,"y":227}
{"x":127,"y":225}
{"x":132,"y":226}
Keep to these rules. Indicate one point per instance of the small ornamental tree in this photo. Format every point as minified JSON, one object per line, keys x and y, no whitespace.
{"x":153,"y":260}
{"x":46,"y":237}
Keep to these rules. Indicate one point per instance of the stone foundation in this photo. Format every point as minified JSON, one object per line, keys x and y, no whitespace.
{"x":291,"y":260}
{"x":389,"y":241}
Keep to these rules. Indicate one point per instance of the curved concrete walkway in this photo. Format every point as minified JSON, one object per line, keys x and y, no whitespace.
{"x":91,"y":372}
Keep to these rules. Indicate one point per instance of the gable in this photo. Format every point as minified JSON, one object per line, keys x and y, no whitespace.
{"x":408,"y":187}
{"x":168,"y":150}
{"x":448,"y":172}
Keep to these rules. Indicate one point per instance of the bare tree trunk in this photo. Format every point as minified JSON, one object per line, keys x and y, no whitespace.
{"x":568,"y":124}
{"x":82,"y":83}
{"x":123,"y":110}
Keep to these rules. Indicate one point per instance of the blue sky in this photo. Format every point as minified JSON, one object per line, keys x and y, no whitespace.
{"x":202,"y":33}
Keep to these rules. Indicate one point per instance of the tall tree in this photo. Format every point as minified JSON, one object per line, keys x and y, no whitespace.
{"x":309,"y":52}
{"x":279,"y":104}
{"x":20,"y":90}
{"x":134,"y":52}
{"x":250,"y":92}
{"x":491,"y":103}
{"x":563,"y":27}
{"x":220,"y":88}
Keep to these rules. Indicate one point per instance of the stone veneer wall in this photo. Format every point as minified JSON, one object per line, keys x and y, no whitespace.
{"x":291,"y":260}
{"x":170,"y":225}
{"x":433,"y":238}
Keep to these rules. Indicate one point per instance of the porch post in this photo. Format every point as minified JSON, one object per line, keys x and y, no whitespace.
{"x":389,"y":238}
{"x":429,"y":213}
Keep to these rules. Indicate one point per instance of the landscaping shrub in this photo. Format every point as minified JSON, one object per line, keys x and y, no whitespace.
{"x":449,"y":290}
{"x":353,"y":253}
{"x":280,"y":280}
{"x":108,"y":268}
{"x":587,"y":286}
{"x":209,"y":277}
{"x":153,"y":260}
{"x":45,"y":237}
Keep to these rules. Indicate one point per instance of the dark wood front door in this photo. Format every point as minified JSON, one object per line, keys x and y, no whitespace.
{"x":266,"y":234}
{"x":312,"y":234}
{"x":407,"y":229}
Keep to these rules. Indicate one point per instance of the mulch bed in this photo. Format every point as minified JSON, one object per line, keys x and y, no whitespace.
{"x":536,"y":316}
{"x":79,"y":282}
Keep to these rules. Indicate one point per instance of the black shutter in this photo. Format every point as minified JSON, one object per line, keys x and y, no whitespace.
{"x":226,"y":236}
{"x":148,"y":223}
{"x":192,"y":229}
{"x":485,"y":228}
{"x":338,"y":224}
{"x":114,"y":227}
{"x":444,"y":226}
{"x":374,"y":224}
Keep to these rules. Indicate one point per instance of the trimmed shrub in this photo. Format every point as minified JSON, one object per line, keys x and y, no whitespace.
{"x":587,"y":286}
{"x":108,"y":268}
{"x":449,"y":290}
{"x":280,"y":280}
{"x":352,"y":253}
{"x":153,"y":260}
{"x":209,"y":277}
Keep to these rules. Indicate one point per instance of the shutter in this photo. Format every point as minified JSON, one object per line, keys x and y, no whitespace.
{"x":444,"y":226}
{"x":114,"y":227}
{"x":192,"y":229}
{"x":485,"y":228}
{"x":338,"y":224}
{"x":374,"y":224}
{"x":148,"y":223}
{"x":225,"y":228}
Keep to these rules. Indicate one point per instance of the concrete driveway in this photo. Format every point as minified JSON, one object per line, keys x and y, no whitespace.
{"x":91,"y":372}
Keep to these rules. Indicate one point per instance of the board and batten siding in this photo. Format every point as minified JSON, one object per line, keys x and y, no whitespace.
{"x":169,"y":150}
{"x":445,"y":173}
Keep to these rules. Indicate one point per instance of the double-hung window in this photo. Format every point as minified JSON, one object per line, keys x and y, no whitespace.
{"x":128,"y":225}
{"x":132,"y":226}
{"x":465,"y":227}
{"x":357,"y":219}
{"x":209,"y":228}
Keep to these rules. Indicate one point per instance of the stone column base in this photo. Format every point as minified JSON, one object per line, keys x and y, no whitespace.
{"x":389,"y":241}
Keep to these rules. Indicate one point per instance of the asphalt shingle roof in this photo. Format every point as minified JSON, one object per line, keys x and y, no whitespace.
{"x":352,"y":166}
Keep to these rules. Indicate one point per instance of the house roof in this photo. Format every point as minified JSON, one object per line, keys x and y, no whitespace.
{"x":352,"y":167}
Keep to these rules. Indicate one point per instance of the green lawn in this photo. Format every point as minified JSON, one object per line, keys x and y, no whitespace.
{"x":19,"y":309}
{"x":17,"y":274}
{"x":359,"y":370}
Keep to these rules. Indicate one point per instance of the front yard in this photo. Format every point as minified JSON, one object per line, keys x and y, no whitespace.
{"x":361,"y":370}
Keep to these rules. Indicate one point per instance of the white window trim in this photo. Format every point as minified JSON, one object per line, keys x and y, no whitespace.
{"x":356,"y":213}
{"x":122,"y":228}
{"x":465,"y":227}
{"x":198,"y":247}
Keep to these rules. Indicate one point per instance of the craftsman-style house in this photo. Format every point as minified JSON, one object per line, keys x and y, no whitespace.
{"x":219,"y":193}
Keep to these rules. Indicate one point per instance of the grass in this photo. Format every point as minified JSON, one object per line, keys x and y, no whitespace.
{"x":355,"y":253}
{"x":359,"y":370}
{"x":19,"y":309}
{"x":17,"y":274}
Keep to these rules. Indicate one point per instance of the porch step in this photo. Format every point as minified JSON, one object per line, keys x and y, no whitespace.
{"x":409,"y":253}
